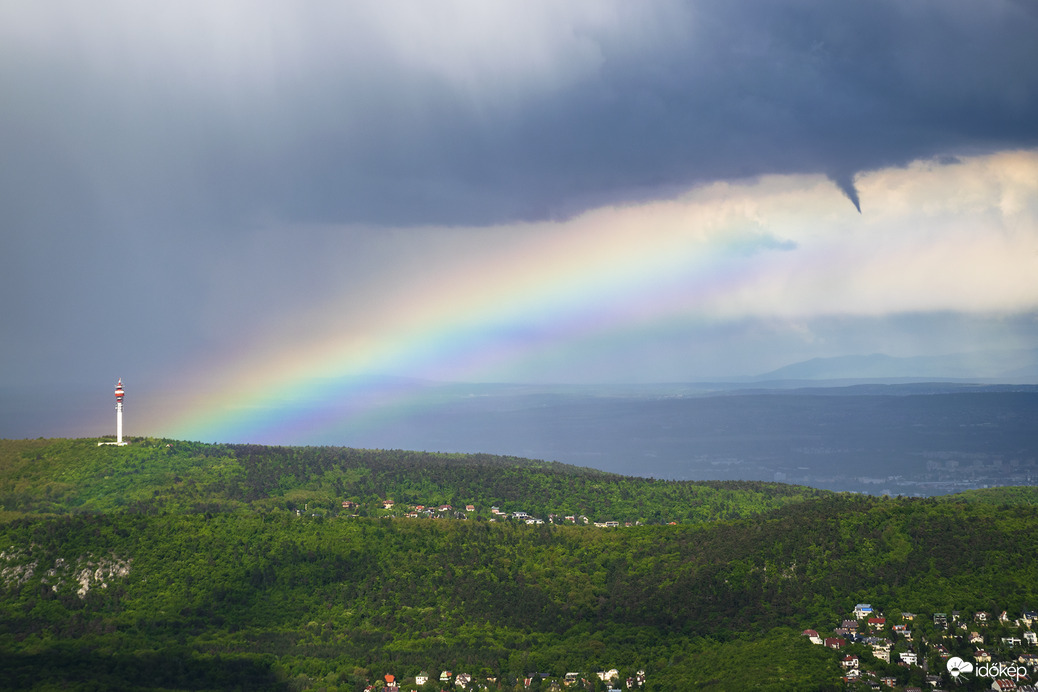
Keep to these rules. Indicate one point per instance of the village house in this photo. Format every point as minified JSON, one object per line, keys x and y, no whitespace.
{"x":849,"y":662}
{"x":531,"y":677}
{"x":882,"y":652}
{"x":909,"y":657}
{"x":421,"y":678}
{"x":813,"y":636}
{"x":470,"y":508}
{"x":835,"y":642}
{"x":877,"y":623}
{"x":1031,"y":638}
{"x":862,"y":611}
{"x":903,"y":631}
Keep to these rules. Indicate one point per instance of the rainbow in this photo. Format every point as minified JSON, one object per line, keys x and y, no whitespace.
{"x":548,"y":297}
{"x":553,"y":301}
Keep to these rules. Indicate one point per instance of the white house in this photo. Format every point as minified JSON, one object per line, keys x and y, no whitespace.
{"x":862,"y":611}
{"x":813,"y":636}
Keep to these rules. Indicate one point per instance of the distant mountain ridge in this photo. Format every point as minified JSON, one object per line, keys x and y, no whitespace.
{"x":1017,"y":365}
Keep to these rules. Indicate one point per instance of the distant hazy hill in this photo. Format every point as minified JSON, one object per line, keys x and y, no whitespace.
{"x":1011,"y":366}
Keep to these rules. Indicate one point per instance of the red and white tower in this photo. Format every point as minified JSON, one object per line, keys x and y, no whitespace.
{"x":119,"y":412}
{"x":119,"y":394}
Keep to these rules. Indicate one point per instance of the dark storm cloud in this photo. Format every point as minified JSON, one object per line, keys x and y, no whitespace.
{"x":332,"y":117}
{"x":845,"y":182}
{"x":150,"y":158}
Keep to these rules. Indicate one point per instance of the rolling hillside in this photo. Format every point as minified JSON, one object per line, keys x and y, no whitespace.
{"x":173,"y":565}
{"x":148,"y":476}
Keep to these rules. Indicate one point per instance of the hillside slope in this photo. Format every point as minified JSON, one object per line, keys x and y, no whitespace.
{"x":203,"y":572}
{"x":59,"y":476}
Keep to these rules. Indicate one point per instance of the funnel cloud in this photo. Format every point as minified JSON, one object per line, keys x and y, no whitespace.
{"x":845,"y":181}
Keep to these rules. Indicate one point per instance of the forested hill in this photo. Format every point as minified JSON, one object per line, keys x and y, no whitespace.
{"x":182,"y":566}
{"x":149,"y":475}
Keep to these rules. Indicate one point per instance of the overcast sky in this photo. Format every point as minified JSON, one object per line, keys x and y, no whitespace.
{"x":572,"y":191}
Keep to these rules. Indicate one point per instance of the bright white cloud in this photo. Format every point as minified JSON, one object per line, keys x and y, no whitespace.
{"x":729,"y":265}
{"x":959,"y":237}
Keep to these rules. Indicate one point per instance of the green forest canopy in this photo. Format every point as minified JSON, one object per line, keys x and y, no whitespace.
{"x":191,"y":562}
